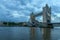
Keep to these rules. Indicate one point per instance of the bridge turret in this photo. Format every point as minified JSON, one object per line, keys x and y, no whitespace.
{"x":47,"y":6}
{"x":46,"y":14}
{"x":32,"y":17}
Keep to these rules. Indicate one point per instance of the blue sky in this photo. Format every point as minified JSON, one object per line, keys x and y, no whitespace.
{"x":19,"y":10}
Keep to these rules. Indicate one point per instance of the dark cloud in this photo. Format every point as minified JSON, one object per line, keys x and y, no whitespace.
{"x":56,"y":9}
{"x":25,"y":7}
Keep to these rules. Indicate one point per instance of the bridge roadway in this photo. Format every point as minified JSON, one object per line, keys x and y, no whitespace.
{"x":28,"y":24}
{"x":39,"y":14}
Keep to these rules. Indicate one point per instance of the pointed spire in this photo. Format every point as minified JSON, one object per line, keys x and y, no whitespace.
{"x":46,"y":5}
{"x":32,"y":14}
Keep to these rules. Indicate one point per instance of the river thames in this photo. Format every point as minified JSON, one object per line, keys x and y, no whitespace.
{"x":23,"y":33}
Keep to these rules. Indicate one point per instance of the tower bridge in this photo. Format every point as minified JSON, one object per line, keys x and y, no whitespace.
{"x":38,"y":14}
{"x":46,"y":13}
{"x":46,"y":25}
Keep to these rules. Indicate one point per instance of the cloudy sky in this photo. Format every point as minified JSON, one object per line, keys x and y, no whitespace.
{"x":19,"y":10}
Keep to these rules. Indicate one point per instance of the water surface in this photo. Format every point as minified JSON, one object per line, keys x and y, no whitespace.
{"x":23,"y":33}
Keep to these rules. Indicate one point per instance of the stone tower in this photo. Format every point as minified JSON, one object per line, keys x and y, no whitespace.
{"x":46,"y":14}
{"x":32,"y":17}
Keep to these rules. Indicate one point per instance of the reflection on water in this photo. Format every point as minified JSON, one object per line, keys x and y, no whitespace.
{"x":24,"y":33}
{"x":46,"y":33}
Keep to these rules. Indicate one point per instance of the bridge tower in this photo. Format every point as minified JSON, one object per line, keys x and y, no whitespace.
{"x":46,"y":19}
{"x":32,"y":17}
{"x":46,"y":14}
